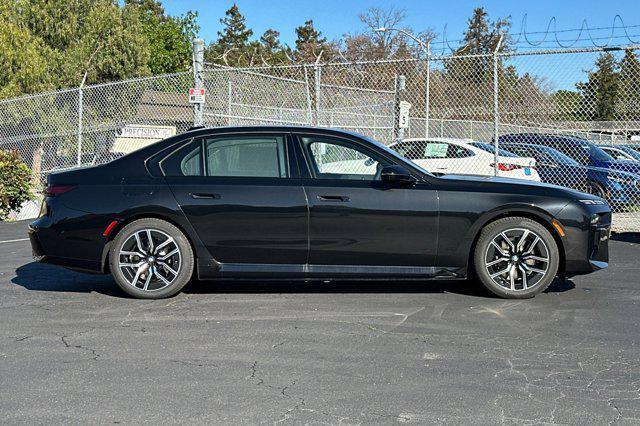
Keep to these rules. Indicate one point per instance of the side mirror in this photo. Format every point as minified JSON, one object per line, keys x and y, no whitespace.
{"x":397,"y":175}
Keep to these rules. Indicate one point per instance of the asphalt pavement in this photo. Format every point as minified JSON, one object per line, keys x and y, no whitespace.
{"x":76,"y":349}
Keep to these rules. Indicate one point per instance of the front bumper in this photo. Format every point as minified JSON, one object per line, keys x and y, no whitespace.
{"x":589,"y":248}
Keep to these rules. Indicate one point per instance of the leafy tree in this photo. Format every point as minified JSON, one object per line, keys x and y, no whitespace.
{"x":567,"y":103}
{"x":15,"y":187}
{"x":170,"y":38}
{"x":23,"y":67}
{"x":627,"y":105}
{"x":309,"y":43}
{"x":599,"y":93}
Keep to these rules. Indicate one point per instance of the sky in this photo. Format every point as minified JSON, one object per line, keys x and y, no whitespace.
{"x":337,"y":17}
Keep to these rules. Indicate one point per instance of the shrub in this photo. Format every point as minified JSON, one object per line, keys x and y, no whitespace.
{"x":15,"y":183}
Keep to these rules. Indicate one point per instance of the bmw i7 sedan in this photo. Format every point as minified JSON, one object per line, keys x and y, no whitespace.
{"x":309,"y":203}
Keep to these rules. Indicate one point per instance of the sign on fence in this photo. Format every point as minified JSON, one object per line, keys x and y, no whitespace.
{"x":403,"y":118}
{"x":196,"y":96}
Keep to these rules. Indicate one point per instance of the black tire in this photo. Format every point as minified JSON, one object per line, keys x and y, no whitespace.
{"x":527,"y":283}
{"x":182,"y":261}
{"x":594,"y":188}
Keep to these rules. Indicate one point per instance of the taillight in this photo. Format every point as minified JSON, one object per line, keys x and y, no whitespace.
{"x":53,"y":190}
{"x":504,"y":167}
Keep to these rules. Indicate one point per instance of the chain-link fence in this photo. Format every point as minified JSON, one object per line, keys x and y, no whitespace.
{"x":548,"y":116}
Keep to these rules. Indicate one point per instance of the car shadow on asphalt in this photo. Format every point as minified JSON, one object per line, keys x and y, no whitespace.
{"x":42,"y":277}
{"x":48,"y":278}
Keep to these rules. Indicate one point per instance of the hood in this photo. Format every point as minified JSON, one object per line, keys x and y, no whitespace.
{"x":518,"y":185}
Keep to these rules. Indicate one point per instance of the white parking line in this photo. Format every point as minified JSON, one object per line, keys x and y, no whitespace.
{"x":14,"y":241}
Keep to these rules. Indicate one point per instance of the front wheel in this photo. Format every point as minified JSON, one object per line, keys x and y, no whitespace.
{"x":151,"y":259}
{"x":516,"y":258}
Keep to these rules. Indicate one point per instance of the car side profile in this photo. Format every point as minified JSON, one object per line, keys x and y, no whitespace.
{"x":464,"y":157}
{"x":285,"y":203}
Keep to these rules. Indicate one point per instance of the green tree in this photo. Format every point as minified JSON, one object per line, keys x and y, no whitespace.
{"x":628,"y":100}
{"x":567,"y":104}
{"x":170,"y":38}
{"x":23,"y":67}
{"x":232,"y":47}
{"x":15,"y":187}
{"x":309,"y":43}
{"x":599,"y":93}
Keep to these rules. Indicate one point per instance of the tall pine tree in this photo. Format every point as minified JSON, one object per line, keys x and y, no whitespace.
{"x":627,"y":106}
{"x":232,"y":46}
{"x":599,"y":93}
{"x":309,"y":43}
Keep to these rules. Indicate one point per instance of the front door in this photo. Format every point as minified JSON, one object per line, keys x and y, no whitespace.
{"x":355,"y":218}
{"x":242,"y":198}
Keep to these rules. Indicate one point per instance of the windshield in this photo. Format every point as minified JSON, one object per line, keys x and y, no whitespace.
{"x":556,"y":156}
{"x":491,"y":149}
{"x":594,"y":151}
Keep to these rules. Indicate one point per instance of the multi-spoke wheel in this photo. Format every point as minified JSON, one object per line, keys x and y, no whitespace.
{"x":516,"y":257}
{"x":151,"y":259}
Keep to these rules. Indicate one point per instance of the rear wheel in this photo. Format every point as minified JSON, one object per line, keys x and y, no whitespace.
{"x":151,"y":259}
{"x":516,"y":258}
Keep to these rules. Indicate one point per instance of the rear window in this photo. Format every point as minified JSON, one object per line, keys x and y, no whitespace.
{"x":491,"y":149}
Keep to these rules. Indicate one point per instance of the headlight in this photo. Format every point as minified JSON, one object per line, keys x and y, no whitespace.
{"x":593,"y":202}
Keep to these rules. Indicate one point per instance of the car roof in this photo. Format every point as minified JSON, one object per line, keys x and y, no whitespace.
{"x":463,"y":140}
{"x":268,"y":128}
{"x":546,"y":137}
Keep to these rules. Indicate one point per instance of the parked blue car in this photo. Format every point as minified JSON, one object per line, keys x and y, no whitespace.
{"x":559,"y":169}
{"x":583,"y":151}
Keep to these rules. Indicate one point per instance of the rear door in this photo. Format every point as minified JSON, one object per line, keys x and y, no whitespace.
{"x":243,"y":197}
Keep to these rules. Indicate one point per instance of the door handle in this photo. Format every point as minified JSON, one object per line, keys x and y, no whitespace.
{"x":204,"y":196}
{"x":334,"y":198}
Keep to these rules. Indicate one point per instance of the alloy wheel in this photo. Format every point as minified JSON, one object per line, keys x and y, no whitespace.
{"x":517,"y":259}
{"x":149,"y":259}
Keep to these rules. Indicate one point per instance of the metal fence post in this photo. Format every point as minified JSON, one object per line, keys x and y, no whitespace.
{"x":80,"y":114}
{"x":426,"y":99}
{"x":317,"y":74}
{"x":496,"y":110}
{"x":229,"y":98}
{"x":198,"y":83}
{"x":308,"y":96}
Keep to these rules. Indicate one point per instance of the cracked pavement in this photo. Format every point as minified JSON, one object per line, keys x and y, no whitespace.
{"x":75,"y":349}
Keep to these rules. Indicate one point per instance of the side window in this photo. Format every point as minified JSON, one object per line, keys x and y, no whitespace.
{"x":617,"y":155}
{"x":185,"y":161}
{"x":455,"y":151}
{"x":340,"y":159}
{"x":246,"y":156}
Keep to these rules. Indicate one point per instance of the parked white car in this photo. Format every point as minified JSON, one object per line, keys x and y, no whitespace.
{"x":465,"y":157}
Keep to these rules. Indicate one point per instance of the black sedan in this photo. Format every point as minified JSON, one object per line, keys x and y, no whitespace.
{"x":309,"y":203}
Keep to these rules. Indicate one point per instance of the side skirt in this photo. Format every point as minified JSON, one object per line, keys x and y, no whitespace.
{"x":303,"y":271}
